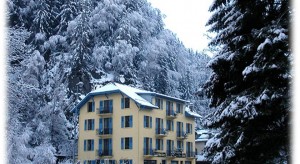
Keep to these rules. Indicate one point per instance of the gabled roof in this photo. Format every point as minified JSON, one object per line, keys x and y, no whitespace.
{"x":117,"y":88}
{"x":133,"y":93}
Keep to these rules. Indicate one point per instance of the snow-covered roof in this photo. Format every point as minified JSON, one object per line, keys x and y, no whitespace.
{"x":202,"y":131}
{"x":133,"y":93}
{"x":190,"y":113}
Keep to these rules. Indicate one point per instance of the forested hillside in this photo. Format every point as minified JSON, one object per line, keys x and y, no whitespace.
{"x":54,"y":45}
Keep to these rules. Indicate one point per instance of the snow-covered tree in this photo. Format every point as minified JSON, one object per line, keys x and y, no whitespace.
{"x":249,"y":86}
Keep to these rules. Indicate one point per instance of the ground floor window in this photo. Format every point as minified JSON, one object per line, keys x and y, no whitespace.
{"x":149,"y":161}
{"x":188,"y":162}
{"x":174,"y":162}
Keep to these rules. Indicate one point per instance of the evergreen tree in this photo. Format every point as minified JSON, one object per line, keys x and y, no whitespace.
{"x":249,"y":85}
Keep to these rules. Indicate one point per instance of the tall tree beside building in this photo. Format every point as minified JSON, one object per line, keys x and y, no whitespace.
{"x":250,"y":82}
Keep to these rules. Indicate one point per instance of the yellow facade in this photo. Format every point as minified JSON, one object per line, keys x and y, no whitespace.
{"x":137,"y":132}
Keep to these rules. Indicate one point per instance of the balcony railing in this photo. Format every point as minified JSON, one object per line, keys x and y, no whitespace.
{"x":148,"y":152}
{"x":105,"y":152}
{"x":179,"y":153}
{"x":181,"y":134}
{"x":105,"y":111}
{"x":170,"y":113}
{"x":170,"y":153}
{"x":190,"y":154}
{"x":161,"y":132}
{"x":105,"y":131}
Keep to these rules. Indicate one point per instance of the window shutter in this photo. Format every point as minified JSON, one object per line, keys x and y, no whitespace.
{"x":172,"y":145}
{"x":156,"y":144}
{"x":93,"y":124}
{"x":100,"y":146}
{"x":191,"y":128}
{"x":156,"y":123}
{"x":122,"y":103}
{"x":122,"y":121}
{"x":85,"y":124}
{"x":130,"y":143}
{"x":162,"y":123}
{"x":101,"y":106}
{"x":145,"y":145}
{"x":84,"y":146}
{"x":111,"y":106}
{"x":122,"y":143}
{"x":100,"y":124}
{"x":172,"y":125}
{"x":150,"y":144}
{"x":168,"y":125}
{"x":130,"y":121}
{"x":150,"y":122}
{"x":161,"y":104}
{"x":110,"y":145}
{"x":92,"y":143}
{"x":93,"y":106}
{"x":110,"y":125}
{"x":187,"y":127}
{"x":162,"y":144}
{"x":167,"y":106}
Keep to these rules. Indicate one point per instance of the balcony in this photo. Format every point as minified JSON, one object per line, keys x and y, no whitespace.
{"x":171,"y":114}
{"x":105,"y":112}
{"x":179,"y":153}
{"x":181,"y":135}
{"x":170,"y":154}
{"x":190,"y":154}
{"x":159,"y":153}
{"x":148,"y":153}
{"x":105,"y":153}
{"x":161,"y":132}
{"x":104,"y":132}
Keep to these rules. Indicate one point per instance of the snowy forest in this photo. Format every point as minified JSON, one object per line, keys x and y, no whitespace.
{"x":243,"y":90}
{"x":54,"y":45}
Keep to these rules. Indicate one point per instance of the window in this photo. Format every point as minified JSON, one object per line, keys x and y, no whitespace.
{"x":159,"y":103}
{"x":189,"y":128}
{"x":105,"y":126}
{"x":106,"y":106}
{"x":149,"y":161}
{"x":88,"y":145}
{"x":180,"y":145}
{"x":159,"y":144}
{"x":105,"y":161}
{"x":188,"y":162}
{"x":178,"y":108}
{"x":126,"y":121}
{"x":180,"y":132}
{"x":126,"y":143}
{"x":105,"y":147}
{"x":90,"y":107}
{"x":125,"y":103}
{"x":89,"y":124}
{"x":170,"y":125}
{"x":126,"y":161}
{"x":147,"y":122}
{"x":148,"y":146}
{"x":89,"y":162}
{"x":159,"y":126}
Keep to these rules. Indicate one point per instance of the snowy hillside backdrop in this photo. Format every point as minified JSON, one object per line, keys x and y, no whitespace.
{"x":54,"y":45}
